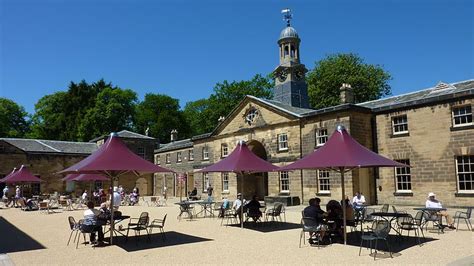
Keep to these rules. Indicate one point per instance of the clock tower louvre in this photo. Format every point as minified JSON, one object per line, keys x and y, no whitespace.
{"x":290,"y":83}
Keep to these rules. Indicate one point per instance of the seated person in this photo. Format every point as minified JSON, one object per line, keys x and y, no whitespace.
{"x":237,"y":205}
{"x":432,"y":202}
{"x":334,"y":214}
{"x":133,"y":197}
{"x":358,"y":203}
{"x":193,"y":194}
{"x":224,"y":206}
{"x":349,"y":213}
{"x":104,"y":214}
{"x":253,"y":208}
{"x":91,"y":223}
{"x":314,"y":211}
{"x":31,"y":205}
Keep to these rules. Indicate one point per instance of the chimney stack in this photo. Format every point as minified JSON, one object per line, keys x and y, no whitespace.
{"x":346,"y":94}
{"x":174,"y":135}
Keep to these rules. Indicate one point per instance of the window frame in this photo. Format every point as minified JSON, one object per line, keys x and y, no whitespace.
{"x":328,"y":184}
{"x":168,"y":158}
{"x":394,"y":126}
{"x":179,"y":157}
{"x":205,"y":177}
{"x":471,"y":172}
{"x":225,"y":182}
{"x":141,"y":151}
{"x":319,"y":137}
{"x":224,"y":150}
{"x":403,"y":176}
{"x":158,"y":162}
{"x":282,"y":183}
{"x":279,"y":142}
{"x":191,"y":155}
{"x":453,"y":117}
{"x":205,"y":153}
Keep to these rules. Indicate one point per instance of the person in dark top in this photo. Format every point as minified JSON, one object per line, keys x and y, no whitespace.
{"x":253,"y":208}
{"x":334,"y":215}
{"x":193,"y":194}
{"x":314,"y":211}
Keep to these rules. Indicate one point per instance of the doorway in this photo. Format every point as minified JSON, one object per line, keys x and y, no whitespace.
{"x":256,"y":183}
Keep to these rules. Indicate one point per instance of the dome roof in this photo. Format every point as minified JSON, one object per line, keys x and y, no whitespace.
{"x":288,"y":32}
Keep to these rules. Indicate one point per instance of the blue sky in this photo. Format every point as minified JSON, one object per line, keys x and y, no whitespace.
{"x":182,"y":48}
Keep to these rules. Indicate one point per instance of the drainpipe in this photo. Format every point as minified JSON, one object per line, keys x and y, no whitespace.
{"x":301,"y":156}
{"x":375,"y":149}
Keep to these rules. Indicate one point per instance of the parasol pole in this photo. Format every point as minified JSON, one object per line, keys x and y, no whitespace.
{"x":341,"y":169}
{"x":242,"y":205}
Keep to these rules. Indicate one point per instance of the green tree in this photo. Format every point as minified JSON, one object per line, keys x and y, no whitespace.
{"x":13,"y":123}
{"x":59,"y":115}
{"x":204,"y":114}
{"x":161,"y":114}
{"x":369,"y":82}
{"x":114,"y":110}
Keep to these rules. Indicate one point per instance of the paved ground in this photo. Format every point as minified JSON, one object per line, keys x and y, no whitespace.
{"x":35,"y":238}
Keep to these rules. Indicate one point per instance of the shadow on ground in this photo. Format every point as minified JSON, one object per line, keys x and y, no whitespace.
{"x":14,"y":240}
{"x":267,"y":227}
{"x":136,"y":243}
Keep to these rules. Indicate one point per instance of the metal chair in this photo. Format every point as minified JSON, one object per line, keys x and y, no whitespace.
{"x":409,"y":223}
{"x":160,"y":224}
{"x":435,"y":219}
{"x":140,"y":225}
{"x":83,"y":229}
{"x":379,"y":231}
{"x":185,"y":208}
{"x":274,"y":213}
{"x":312,"y":227}
{"x":466,"y":216}
{"x":74,"y":228}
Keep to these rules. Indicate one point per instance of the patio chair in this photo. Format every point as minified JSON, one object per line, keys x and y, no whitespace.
{"x":153,"y":201}
{"x":217,"y":207}
{"x":274,"y":213}
{"x":84,"y":230}
{"x":141,"y":224}
{"x":397,"y":211}
{"x":74,"y":226}
{"x":409,"y":223}
{"x":367,"y":216}
{"x":435,"y":219}
{"x":311,"y":226}
{"x":466,"y":216}
{"x":162,"y":201}
{"x":230,"y":215}
{"x":160,"y":224}
{"x":185,"y":208}
{"x":384,"y":208}
{"x":379,"y":231}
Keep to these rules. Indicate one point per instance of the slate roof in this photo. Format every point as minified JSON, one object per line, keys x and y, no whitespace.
{"x":51,"y":146}
{"x":175,"y":145}
{"x":126,"y":134}
{"x":442,"y":91}
{"x":296,"y":111}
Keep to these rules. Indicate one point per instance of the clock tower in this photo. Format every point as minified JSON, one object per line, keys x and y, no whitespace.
{"x":290,"y":83}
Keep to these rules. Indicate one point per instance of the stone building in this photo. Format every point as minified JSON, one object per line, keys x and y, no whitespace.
{"x":45,"y":158}
{"x":430,"y":129}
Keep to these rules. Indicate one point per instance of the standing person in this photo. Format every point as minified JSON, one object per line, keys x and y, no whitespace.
{"x":90,"y":221}
{"x":165,"y":190}
{"x":210,"y":189}
{"x":84,"y":196}
{"x":5,"y":195}
{"x":17,"y":196}
{"x":432,"y":202}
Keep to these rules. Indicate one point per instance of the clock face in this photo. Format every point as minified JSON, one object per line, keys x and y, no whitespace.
{"x":251,"y":115}
{"x":282,"y":76}
{"x":299,"y":75}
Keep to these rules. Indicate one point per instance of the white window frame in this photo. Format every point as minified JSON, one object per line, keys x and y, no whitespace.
{"x":470,"y":171}
{"x":168,"y":158}
{"x":224,"y":150}
{"x":403,"y":123}
{"x":191,"y":155}
{"x":282,"y":142}
{"x":179,"y":157}
{"x":323,"y":175}
{"x":461,"y":116}
{"x":205,"y":181}
{"x":158,"y":160}
{"x":405,"y":175}
{"x":225,"y":182}
{"x":321,"y":136}
{"x":205,"y":153}
{"x":284,"y":178}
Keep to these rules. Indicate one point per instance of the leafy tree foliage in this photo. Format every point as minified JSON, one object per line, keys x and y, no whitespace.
{"x":203,"y":114}
{"x":114,"y":110}
{"x":161,"y":114}
{"x":13,"y":121}
{"x":369,"y":82}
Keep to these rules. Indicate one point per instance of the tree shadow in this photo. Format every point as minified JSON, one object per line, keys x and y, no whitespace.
{"x":136,"y":243}
{"x":15,"y":240}
{"x":267,"y":227}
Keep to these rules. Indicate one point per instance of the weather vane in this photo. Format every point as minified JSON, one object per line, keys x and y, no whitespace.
{"x":287,"y":16}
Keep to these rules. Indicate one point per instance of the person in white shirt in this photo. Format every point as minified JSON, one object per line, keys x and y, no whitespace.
{"x":117,"y":199}
{"x":237,"y":205}
{"x":84,"y":196}
{"x":358,"y":201}
{"x":432,"y":202}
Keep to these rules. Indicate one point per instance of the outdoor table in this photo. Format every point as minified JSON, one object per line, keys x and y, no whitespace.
{"x":117,"y":220}
{"x":393,"y":216}
{"x":431,"y":211}
{"x":205,"y":207}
